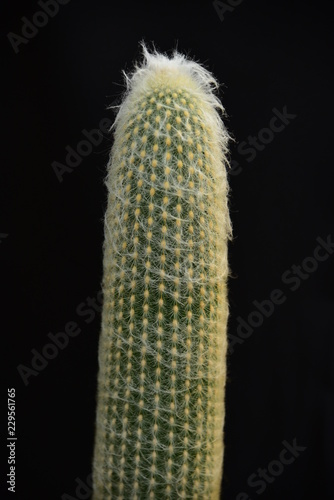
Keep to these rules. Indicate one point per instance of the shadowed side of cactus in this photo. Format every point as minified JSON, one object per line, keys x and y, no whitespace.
{"x":162,"y":350}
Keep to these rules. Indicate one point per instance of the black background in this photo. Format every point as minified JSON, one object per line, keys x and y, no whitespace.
{"x":280,"y":379}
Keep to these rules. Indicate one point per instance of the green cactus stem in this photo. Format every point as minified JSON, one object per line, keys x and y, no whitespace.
{"x":162,"y":349}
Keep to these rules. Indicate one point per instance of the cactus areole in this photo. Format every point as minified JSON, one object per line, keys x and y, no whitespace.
{"x":162,"y":349}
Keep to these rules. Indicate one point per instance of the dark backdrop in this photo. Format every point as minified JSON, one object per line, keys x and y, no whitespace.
{"x":274,"y":60}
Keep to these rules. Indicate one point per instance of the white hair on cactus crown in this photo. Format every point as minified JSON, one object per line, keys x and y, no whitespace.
{"x":177,"y":70}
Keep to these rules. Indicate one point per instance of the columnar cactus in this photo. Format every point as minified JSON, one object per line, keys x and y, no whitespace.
{"x":162,"y":350}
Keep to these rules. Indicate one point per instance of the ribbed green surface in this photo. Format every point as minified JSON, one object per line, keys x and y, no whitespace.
{"x":163,"y":342}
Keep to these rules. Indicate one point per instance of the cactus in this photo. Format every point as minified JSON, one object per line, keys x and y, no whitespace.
{"x":162,"y":349}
